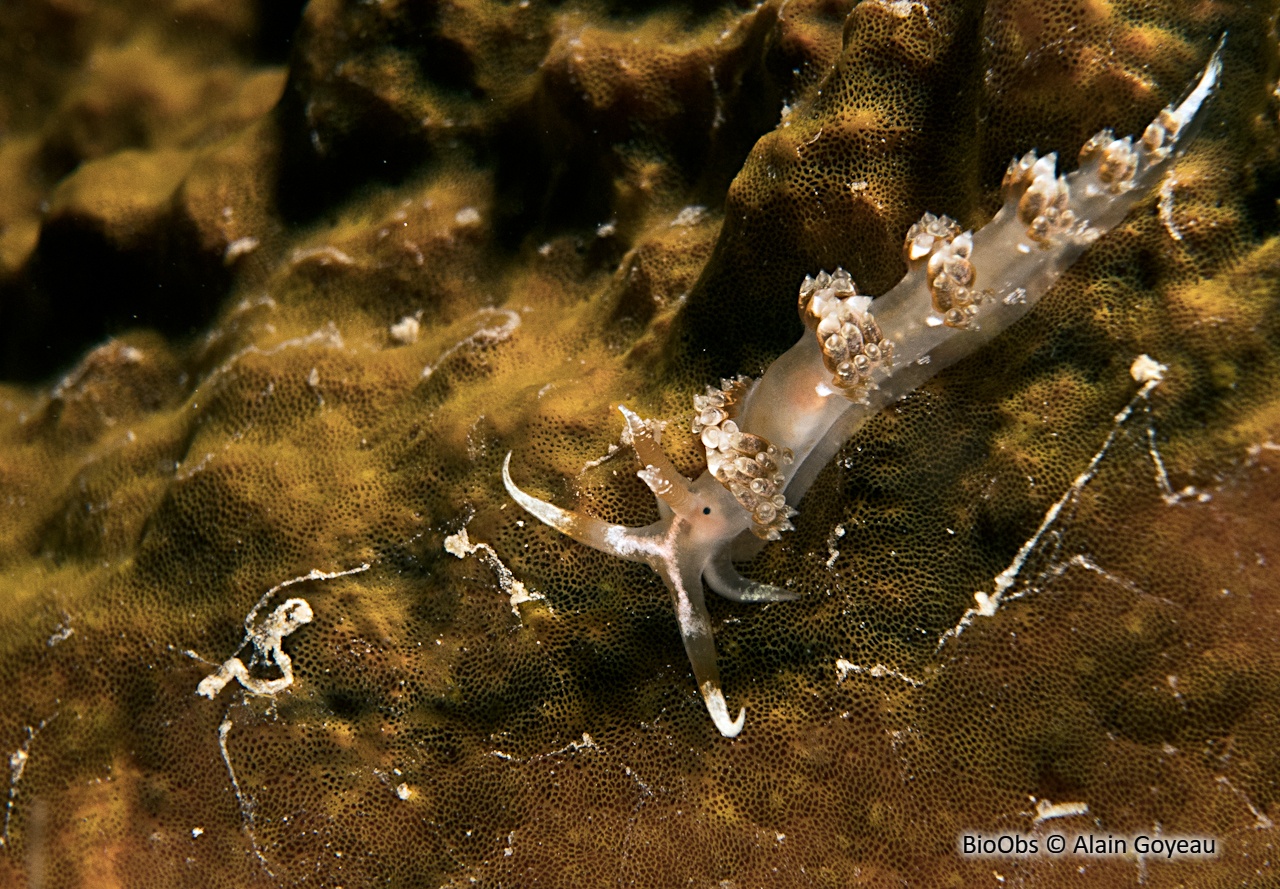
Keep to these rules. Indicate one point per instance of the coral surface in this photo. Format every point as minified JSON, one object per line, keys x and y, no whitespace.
{"x":274,"y":308}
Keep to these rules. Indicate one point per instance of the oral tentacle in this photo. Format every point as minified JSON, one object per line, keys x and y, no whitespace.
{"x":685,"y":584}
{"x":634,"y":544}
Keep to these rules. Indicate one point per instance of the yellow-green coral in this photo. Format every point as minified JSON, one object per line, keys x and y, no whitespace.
{"x":151,"y":493}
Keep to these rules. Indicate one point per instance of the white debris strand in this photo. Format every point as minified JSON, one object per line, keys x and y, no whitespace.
{"x":1165,"y":206}
{"x":238,"y":248}
{"x":1148,"y":371}
{"x":266,"y":639}
{"x":832,"y":552}
{"x":485,"y":336}
{"x":17,"y":765}
{"x":612,"y":452}
{"x":1144,"y":370}
{"x":322,"y":256}
{"x":327,"y":336}
{"x":244,"y":803}
{"x":405,"y":331}
{"x":587,"y":743}
{"x":844,"y":669}
{"x":690,"y":215}
{"x":61,"y":633}
{"x":1047,"y":811}
{"x":460,"y":546}
{"x":1260,"y":820}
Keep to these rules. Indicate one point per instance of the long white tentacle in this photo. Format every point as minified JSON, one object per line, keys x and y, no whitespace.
{"x":685,"y":584}
{"x":634,"y":544}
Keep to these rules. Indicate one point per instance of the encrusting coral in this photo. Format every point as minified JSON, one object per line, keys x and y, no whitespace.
{"x":1035,"y":595}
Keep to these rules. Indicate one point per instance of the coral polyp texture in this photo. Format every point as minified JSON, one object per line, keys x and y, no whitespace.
{"x":275,"y":309}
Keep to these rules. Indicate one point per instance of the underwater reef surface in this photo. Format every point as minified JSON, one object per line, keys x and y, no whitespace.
{"x":281,"y":287}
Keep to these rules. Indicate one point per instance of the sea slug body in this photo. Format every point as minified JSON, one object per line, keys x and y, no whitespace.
{"x":767,"y":440}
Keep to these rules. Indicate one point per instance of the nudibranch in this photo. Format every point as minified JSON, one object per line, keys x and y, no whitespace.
{"x":766,"y":440}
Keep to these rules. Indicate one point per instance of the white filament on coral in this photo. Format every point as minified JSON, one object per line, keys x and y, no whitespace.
{"x":460,"y":546}
{"x":1260,"y":820}
{"x":484,"y":336}
{"x":237,"y":248}
{"x":266,"y":640}
{"x":1047,"y":811}
{"x":587,"y":743}
{"x":242,"y":801}
{"x":323,"y":255}
{"x":989,"y":603}
{"x":845,"y":669}
{"x":405,"y":331}
{"x":17,"y":765}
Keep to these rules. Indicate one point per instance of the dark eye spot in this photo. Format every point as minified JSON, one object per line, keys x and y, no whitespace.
{"x":706,"y":510}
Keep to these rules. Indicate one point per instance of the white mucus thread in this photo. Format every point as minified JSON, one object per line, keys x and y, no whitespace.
{"x":488,"y":335}
{"x":242,"y":801}
{"x":989,"y":603}
{"x":460,"y":546}
{"x":17,"y":766}
{"x":266,"y":639}
{"x":845,"y":669}
{"x":1048,"y":811}
{"x":1260,"y":820}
